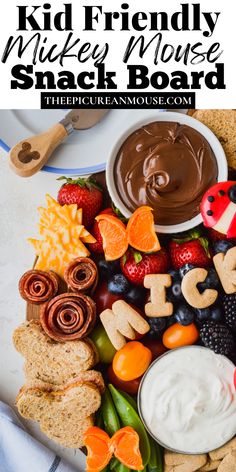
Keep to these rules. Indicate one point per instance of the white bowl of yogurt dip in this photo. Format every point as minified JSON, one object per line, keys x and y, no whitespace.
{"x":187,"y":400}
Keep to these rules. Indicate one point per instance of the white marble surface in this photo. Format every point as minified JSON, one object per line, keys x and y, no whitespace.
{"x":19,"y":199}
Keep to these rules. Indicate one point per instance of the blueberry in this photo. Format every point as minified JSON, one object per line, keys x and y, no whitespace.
{"x":157,"y":326}
{"x":118,"y":284}
{"x":136,"y":295}
{"x":184,"y":315}
{"x":215,"y":313}
{"x":222,"y":246}
{"x":184,"y":269}
{"x":170,"y":320}
{"x":107,"y":269}
{"x":174,"y":293}
{"x":203,"y":314}
{"x":174,"y":274}
{"x":211,"y":281}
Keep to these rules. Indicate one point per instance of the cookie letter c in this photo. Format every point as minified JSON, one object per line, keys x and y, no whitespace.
{"x":191,"y":292}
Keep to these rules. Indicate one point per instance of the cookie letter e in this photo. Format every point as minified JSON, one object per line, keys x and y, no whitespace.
{"x":191,"y":292}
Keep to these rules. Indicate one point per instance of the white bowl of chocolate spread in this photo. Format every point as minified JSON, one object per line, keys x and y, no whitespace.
{"x":167,"y":163}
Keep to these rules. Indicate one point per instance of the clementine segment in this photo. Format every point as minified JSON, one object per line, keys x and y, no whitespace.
{"x":141,"y":231}
{"x":114,"y":237}
{"x":126,"y":448}
{"x":99,"y":452}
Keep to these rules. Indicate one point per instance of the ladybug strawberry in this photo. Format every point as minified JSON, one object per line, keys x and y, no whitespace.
{"x":98,"y":247}
{"x":136,"y":265}
{"x":218,"y":208}
{"x":86,"y":193}
{"x":191,"y":249}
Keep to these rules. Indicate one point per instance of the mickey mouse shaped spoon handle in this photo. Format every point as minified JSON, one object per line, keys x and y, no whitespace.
{"x":31,"y":154}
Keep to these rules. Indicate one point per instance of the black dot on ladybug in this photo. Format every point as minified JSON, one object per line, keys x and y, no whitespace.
{"x":210,"y":199}
{"x":221,"y":193}
{"x":209,"y":212}
{"x":232,"y":193}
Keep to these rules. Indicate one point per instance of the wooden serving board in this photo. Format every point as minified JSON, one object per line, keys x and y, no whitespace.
{"x":32,"y":310}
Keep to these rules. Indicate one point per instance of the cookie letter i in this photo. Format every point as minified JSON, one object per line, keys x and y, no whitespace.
{"x":158,"y":305}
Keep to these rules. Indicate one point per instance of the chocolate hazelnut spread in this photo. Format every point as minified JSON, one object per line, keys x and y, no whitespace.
{"x":167,"y":166}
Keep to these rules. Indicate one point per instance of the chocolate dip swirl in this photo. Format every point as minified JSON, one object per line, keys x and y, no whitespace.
{"x":167,"y":166}
{"x":37,"y":286}
{"x":68,"y":316}
{"x":81,"y":275}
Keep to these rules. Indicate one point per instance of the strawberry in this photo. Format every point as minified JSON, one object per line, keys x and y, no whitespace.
{"x":192,"y":249}
{"x":135,"y":265}
{"x":98,"y":247}
{"x":86,"y":193}
{"x":215,"y":236}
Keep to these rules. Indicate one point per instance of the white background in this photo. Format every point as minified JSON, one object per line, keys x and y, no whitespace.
{"x":224,"y":33}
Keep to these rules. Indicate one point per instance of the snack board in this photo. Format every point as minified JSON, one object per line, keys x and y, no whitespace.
{"x":153,"y":293}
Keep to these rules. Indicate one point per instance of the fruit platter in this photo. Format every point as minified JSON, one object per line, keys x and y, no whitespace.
{"x":129,"y":341}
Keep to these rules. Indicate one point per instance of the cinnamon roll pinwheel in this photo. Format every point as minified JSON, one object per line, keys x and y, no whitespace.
{"x":81,"y":275}
{"x":37,"y":286}
{"x":68,"y":316}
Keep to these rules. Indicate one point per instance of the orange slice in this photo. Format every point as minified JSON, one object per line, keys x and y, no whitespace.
{"x":141,"y":231}
{"x":126,"y":448}
{"x":99,"y":454}
{"x":114,"y":236}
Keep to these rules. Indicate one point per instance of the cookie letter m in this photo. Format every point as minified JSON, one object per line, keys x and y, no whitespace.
{"x":122,"y":322}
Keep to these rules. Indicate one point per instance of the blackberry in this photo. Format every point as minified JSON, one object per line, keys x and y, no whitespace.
{"x":229,"y":308}
{"x":217,"y":337}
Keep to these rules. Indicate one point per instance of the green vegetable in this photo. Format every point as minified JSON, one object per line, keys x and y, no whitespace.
{"x":109,"y":414}
{"x":130,"y":417}
{"x":130,"y":399}
{"x":114,"y":463}
{"x":99,"y":419}
{"x":121,"y":468}
{"x":156,"y":457}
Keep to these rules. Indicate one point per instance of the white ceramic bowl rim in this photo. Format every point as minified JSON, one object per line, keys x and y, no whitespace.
{"x":205,"y":451}
{"x":175,"y":117}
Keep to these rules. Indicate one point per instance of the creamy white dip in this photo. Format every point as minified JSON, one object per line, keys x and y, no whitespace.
{"x":188,"y":400}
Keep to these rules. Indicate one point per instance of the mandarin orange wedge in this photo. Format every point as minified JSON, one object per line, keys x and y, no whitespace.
{"x":141,"y":231}
{"x":126,"y":448}
{"x":114,"y":236}
{"x":99,"y":450}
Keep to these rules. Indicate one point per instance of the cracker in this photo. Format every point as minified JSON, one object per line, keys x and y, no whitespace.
{"x":210,"y":466}
{"x":191,"y":292}
{"x":174,"y":458}
{"x":158,"y":306}
{"x":193,"y":463}
{"x":223,"y":450}
{"x":225,"y":265}
{"x":228,"y":464}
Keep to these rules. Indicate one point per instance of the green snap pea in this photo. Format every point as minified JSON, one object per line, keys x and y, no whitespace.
{"x":156,"y":457}
{"x":121,"y":468}
{"x":114,"y":463}
{"x":99,"y":419}
{"x":129,"y":417}
{"x":109,"y":414}
{"x":130,"y":399}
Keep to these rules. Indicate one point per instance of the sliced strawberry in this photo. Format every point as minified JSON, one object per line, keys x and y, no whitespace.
{"x":136,"y":265}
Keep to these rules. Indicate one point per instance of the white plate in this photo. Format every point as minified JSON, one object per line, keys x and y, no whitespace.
{"x":84,"y":152}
